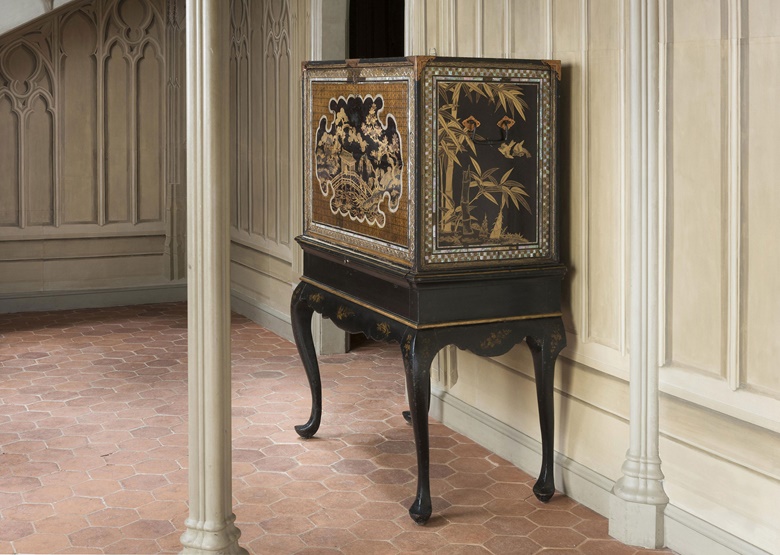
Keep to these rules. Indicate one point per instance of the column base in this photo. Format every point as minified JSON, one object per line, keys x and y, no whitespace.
{"x":197,"y":541}
{"x":637,"y":524}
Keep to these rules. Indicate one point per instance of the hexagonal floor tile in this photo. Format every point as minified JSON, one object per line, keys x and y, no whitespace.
{"x":93,"y":450}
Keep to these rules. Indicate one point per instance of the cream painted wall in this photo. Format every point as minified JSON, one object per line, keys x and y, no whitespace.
{"x":721,"y":411}
{"x":91,"y":174}
{"x":720,"y":77}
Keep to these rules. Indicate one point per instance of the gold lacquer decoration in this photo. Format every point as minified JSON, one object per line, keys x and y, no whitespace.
{"x":359,"y":163}
{"x":471,"y":123}
{"x":316,"y":298}
{"x":495,"y":339}
{"x":482,"y":202}
{"x":343,"y":313}
{"x":506,"y":122}
{"x":407,"y":347}
{"x":383,"y":328}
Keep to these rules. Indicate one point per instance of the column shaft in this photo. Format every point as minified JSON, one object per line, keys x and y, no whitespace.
{"x":210,"y":526}
{"x":636,"y":511}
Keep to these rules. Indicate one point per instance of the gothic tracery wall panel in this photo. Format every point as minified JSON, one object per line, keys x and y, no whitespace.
{"x":39,"y":159}
{"x":239,"y":94}
{"x":87,"y":147}
{"x":9,"y":159}
{"x":261,"y":106}
{"x":269,"y":41}
{"x":137,"y":77}
{"x":83,"y":110}
{"x":78,"y":112}
{"x":27,"y":85}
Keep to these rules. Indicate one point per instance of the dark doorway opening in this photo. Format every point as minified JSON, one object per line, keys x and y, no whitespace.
{"x":376,"y":28}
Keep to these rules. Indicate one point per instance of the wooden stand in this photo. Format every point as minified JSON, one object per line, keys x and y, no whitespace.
{"x":420,"y":342}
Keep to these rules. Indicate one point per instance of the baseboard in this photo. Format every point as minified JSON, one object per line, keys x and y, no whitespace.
{"x":268,"y":317}
{"x":39,"y":301}
{"x":690,"y":535}
{"x":684,"y":533}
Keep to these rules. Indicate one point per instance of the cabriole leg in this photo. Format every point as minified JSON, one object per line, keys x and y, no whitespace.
{"x":544,"y":354}
{"x":417,"y":363}
{"x":301,"y":314}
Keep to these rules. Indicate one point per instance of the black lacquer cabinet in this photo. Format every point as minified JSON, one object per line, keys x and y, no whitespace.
{"x":432,"y":219}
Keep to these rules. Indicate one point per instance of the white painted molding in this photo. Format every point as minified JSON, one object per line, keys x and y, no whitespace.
{"x":38,"y":301}
{"x":479,"y":29}
{"x":684,"y":533}
{"x":599,"y":357}
{"x":664,"y":276}
{"x":734,"y":192}
{"x":410,"y":25}
{"x":447,"y":32}
{"x":315,"y":29}
{"x":625,"y":206}
{"x":507,"y":29}
{"x":550,"y":26}
{"x":715,"y":394}
{"x":584,"y":170}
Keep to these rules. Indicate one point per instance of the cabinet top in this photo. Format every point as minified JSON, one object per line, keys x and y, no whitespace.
{"x":420,"y":62}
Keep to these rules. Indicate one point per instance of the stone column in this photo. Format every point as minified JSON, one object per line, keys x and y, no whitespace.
{"x":638,"y":501}
{"x":210,"y":526}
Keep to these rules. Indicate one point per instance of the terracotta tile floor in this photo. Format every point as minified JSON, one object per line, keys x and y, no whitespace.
{"x":93,"y":450}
